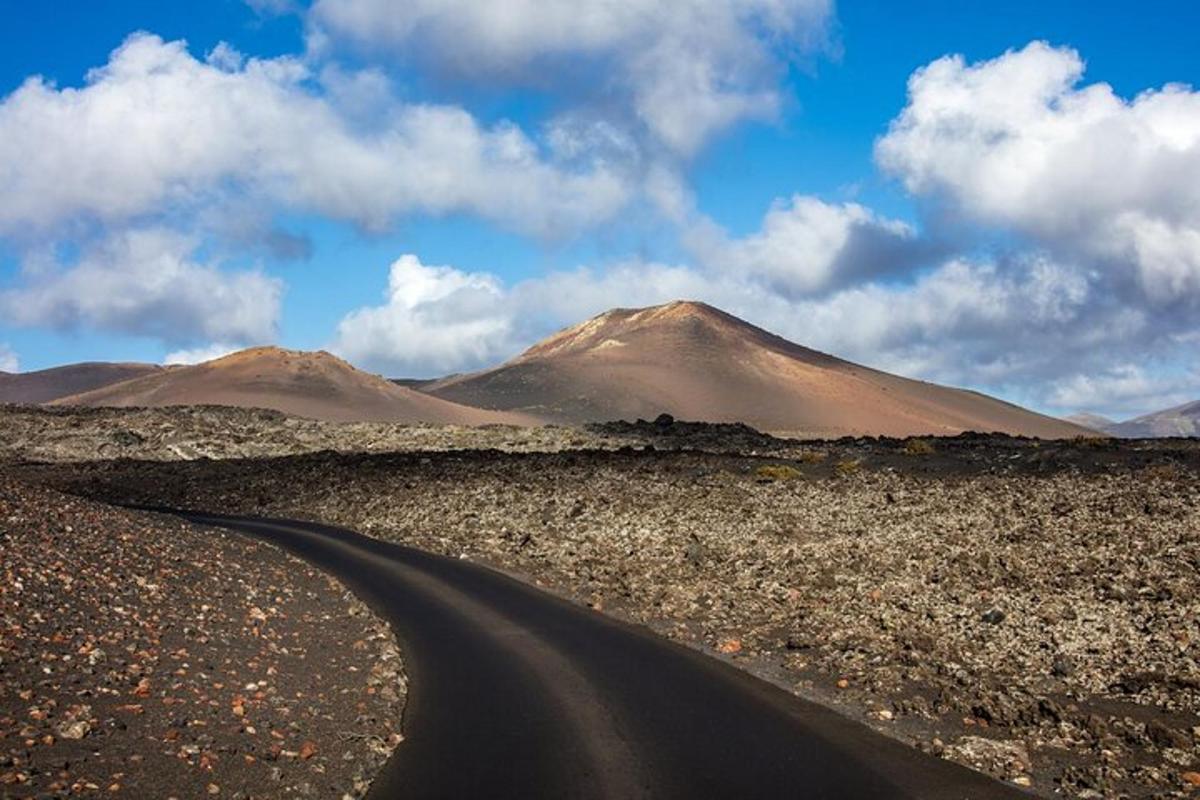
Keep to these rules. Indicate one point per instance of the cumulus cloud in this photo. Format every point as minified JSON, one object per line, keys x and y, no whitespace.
{"x":433,"y":318}
{"x":963,"y":322}
{"x":147,"y":282}
{"x":1128,"y":388}
{"x":8,"y":359}
{"x":807,"y":246}
{"x":681,"y":70}
{"x":156,"y":130}
{"x":1017,"y":143}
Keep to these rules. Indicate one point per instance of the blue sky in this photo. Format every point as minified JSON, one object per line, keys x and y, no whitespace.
{"x":766,"y":190}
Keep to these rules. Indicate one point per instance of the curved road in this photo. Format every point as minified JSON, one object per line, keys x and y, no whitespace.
{"x":516,"y":693}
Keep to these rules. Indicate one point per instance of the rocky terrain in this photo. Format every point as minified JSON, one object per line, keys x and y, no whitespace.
{"x":219,"y":432}
{"x":172,"y":434}
{"x":144,"y":657}
{"x":1027,"y":608}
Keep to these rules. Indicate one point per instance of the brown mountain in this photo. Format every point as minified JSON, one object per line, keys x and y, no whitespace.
{"x":1181,"y":420}
{"x":699,"y":363}
{"x":43,"y":386}
{"x":314,"y":385}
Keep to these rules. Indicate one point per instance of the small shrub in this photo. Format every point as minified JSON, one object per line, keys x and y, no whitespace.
{"x":1093,"y":441}
{"x":768,"y":473}
{"x":849,"y":466}
{"x":812,"y":456}
{"x":918,"y":447}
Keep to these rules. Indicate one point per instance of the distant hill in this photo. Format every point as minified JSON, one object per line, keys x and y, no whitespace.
{"x":699,"y":363}
{"x":1181,"y":420}
{"x":414,"y":383}
{"x":315,"y":385}
{"x":1096,"y":422}
{"x":43,"y":386}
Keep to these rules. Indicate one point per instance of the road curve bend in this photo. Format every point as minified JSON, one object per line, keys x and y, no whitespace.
{"x":515,"y":693}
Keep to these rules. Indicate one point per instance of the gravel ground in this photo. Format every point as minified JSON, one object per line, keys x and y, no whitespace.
{"x":144,"y":657}
{"x":1026,"y":609}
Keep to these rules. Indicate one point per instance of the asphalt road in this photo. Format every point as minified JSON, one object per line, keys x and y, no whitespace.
{"x":515,"y":693}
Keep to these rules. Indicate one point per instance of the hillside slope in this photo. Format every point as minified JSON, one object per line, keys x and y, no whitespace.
{"x":43,"y":386}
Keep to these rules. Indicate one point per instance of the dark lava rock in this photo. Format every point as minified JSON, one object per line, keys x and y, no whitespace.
{"x":993,"y":617}
{"x":669,"y":433}
{"x":127,"y":438}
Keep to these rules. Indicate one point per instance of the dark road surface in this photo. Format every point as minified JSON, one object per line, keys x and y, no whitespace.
{"x":515,"y":693}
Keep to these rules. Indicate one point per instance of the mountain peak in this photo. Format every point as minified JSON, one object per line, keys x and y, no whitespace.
{"x":273,"y":354}
{"x":680,"y":308}
{"x":606,"y":331}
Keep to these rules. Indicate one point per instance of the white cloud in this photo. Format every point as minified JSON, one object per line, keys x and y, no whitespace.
{"x":198,"y":355}
{"x":147,"y":283}
{"x":8,"y":359}
{"x":434,"y":318}
{"x":964,"y":322}
{"x":156,"y":131}
{"x":1127,"y":388}
{"x":806,"y":246}
{"x":682,"y":70}
{"x":1016,"y":142}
